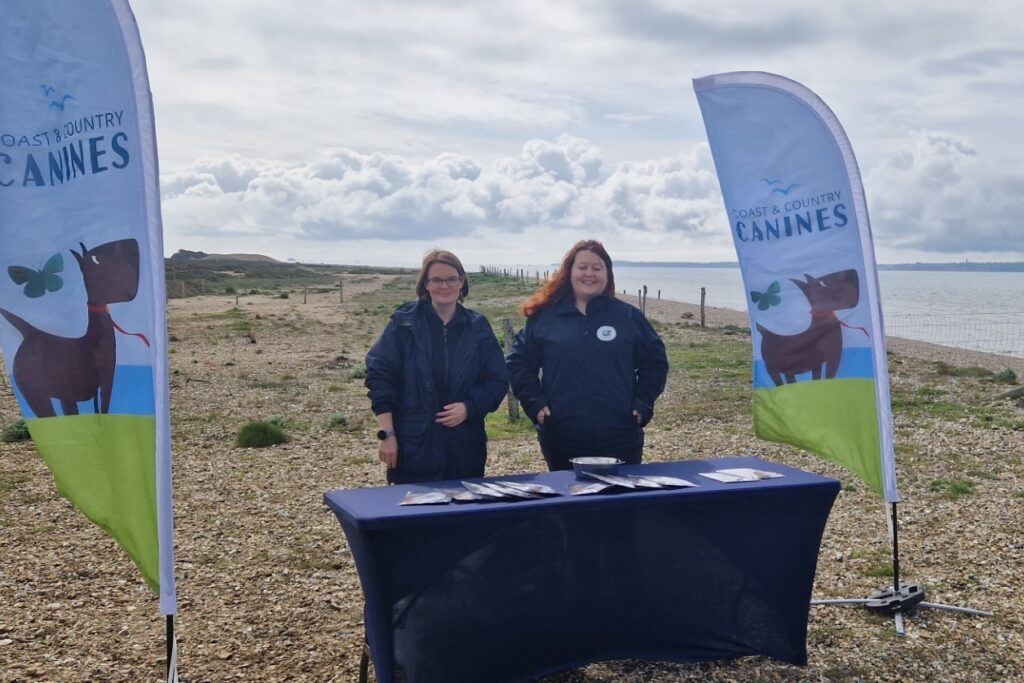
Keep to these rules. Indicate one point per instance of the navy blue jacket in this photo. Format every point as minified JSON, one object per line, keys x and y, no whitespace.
{"x":400,"y":380}
{"x":596,"y":370}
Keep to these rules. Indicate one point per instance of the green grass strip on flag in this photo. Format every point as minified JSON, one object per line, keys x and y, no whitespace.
{"x":106,"y":466}
{"x":836,"y":419}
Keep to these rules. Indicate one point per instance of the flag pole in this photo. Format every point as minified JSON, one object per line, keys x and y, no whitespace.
{"x":896,"y":589}
{"x":172,"y":652}
{"x":895,"y":548}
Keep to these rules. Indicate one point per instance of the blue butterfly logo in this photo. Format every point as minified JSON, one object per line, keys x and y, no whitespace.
{"x":768,"y":298}
{"x":39,"y":282}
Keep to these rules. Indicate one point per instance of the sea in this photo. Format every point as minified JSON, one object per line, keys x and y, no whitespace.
{"x":975,"y":310}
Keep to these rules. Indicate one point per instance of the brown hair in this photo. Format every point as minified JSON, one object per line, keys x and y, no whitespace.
{"x":560,"y":284}
{"x":449,"y":259}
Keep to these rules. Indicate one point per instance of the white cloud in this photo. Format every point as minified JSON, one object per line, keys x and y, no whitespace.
{"x":939,"y":195}
{"x":934,"y":194}
{"x":552,"y":184}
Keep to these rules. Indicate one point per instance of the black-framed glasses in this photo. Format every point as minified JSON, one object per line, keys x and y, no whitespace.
{"x":453,"y":281}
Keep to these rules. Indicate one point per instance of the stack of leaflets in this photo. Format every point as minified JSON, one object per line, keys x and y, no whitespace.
{"x":482,"y":491}
{"x":428,"y":497}
{"x":614,"y":482}
{"x":536,"y":490}
{"x":508,"y":490}
{"x":737,"y":474}
{"x":487,"y":491}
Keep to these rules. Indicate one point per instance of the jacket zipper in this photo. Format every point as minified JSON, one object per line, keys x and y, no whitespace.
{"x":444,"y":337}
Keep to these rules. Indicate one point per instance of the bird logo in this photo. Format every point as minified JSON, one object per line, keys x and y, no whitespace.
{"x":56,"y":101}
{"x":781,"y":190}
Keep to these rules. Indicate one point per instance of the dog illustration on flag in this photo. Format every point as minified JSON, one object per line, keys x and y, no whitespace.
{"x":821,"y":344}
{"x":73,"y":369}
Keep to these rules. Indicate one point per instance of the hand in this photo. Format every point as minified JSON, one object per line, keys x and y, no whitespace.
{"x":388,"y":452}
{"x":638,"y":416}
{"x":453,"y":415}
{"x":542,"y":413}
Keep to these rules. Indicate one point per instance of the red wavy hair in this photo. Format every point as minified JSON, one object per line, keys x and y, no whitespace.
{"x":560,"y":284}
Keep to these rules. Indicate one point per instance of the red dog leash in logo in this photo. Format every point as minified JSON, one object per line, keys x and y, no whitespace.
{"x":832,"y":315}
{"x":106,"y":309}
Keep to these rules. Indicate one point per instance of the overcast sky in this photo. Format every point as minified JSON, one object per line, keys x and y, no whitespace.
{"x":368,"y":131}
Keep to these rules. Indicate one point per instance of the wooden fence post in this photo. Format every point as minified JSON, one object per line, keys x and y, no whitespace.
{"x":513,"y":404}
{"x":702,"y":293}
{"x":341,"y":291}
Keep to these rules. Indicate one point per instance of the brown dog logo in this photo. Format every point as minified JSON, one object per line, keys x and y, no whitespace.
{"x":80,"y":368}
{"x":821,"y":344}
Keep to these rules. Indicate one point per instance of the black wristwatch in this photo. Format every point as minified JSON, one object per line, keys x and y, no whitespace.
{"x":383,"y":434}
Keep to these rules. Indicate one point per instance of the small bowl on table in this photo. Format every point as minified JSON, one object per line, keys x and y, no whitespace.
{"x":596,"y":465}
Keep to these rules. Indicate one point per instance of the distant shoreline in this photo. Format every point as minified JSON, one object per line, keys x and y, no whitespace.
{"x":969,"y":267}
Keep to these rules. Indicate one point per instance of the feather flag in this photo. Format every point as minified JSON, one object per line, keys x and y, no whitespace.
{"x":799,"y":222}
{"x":82,"y":296}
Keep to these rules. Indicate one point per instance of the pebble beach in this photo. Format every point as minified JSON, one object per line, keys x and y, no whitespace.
{"x":266,"y":585}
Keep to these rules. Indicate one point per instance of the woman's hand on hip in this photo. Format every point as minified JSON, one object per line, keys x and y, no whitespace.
{"x":453,"y":415}
{"x":388,"y":452}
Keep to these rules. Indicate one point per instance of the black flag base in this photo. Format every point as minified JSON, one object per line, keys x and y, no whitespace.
{"x":903,"y":600}
{"x":890,"y":601}
{"x":908,"y":598}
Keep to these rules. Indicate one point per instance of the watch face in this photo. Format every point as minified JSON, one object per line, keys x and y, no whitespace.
{"x":381,"y":434}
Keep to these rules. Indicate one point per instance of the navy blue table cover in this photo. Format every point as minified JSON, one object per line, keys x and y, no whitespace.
{"x":508,"y":591}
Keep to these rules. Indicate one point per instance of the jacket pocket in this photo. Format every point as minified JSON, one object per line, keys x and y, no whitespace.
{"x":414,"y":448}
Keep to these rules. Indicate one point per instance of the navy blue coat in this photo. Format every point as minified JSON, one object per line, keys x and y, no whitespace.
{"x":595,"y":370}
{"x":400,"y":381}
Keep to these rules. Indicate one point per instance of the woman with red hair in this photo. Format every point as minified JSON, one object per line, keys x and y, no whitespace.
{"x":587,"y":367}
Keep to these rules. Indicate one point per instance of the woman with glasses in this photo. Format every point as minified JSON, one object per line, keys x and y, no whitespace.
{"x":587,"y":367}
{"x":433,"y":375}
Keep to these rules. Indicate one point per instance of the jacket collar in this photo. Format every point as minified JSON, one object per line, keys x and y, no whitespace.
{"x":406,"y":314}
{"x":458,"y":318}
{"x":567,"y":305}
